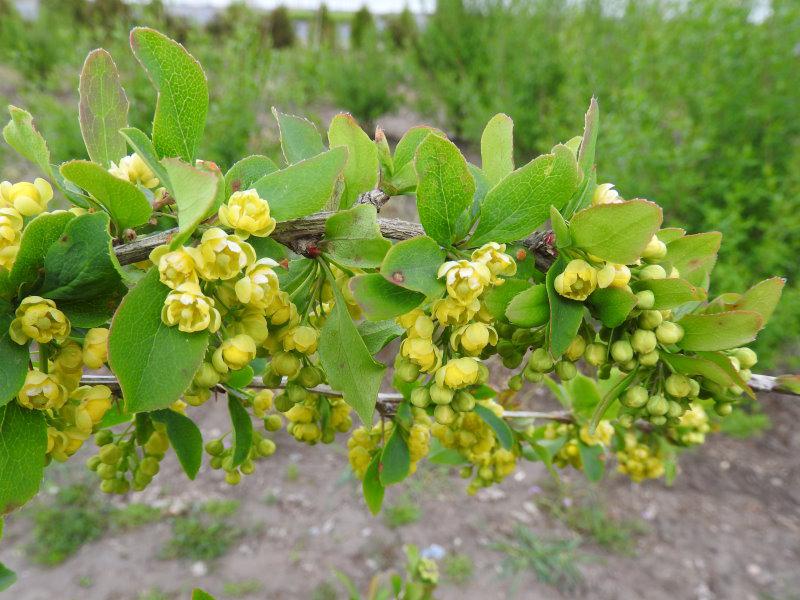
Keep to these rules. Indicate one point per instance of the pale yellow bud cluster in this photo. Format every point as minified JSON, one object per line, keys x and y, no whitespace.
{"x":693,"y":426}
{"x":133,"y":169}
{"x":638,"y":461}
{"x":605,"y":193}
{"x":28,"y":199}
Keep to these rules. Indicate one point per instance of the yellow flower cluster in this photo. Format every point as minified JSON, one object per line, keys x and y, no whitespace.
{"x":133,"y":169}
{"x":28,"y":199}
{"x":693,"y":426}
{"x":569,"y":453}
{"x":364,"y":443}
{"x":638,"y":461}
{"x":306,"y":423}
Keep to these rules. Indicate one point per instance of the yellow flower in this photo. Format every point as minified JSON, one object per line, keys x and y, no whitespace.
{"x":602,"y":434}
{"x":606,"y":194}
{"x":38,"y":319}
{"x":259,"y":285}
{"x":41,"y":391}
{"x":281,"y":310}
{"x":29,"y":199}
{"x":63,"y":444}
{"x":458,"y":373}
{"x":417,"y":324}
{"x":175,"y":267}
{"x":190,"y":310}
{"x":303,"y":339}
{"x":262,"y":402}
{"x":95,"y":347}
{"x":132,"y":168}
{"x":234,"y":353}
{"x":221,"y":256}
{"x":251,"y":321}
{"x":473,"y":338}
{"x":95,"y":399}
{"x":494,"y":257}
{"x":67,"y":365}
{"x":577,"y":281}
{"x":10,"y":234}
{"x":422,"y":352}
{"x":248,"y":214}
{"x":451,"y":312}
{"x":465,"y":279}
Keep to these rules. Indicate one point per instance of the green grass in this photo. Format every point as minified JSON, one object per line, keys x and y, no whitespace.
{"x":553,"y":561}
{"x":134,"y":515}
{"x":241,"y":589}
{"x":458,"y":568}
{"x":292,"y":472}
{"x":404,"y":512}
{"x":587,"y":515}
{"x":205,"y":533}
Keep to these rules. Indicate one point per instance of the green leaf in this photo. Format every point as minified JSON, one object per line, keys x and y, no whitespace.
{"x":266,"y":247}
{"x":346,"y":359}
{"x":582,"y":196}
{"x":241,"y":378}
{"x":583,"y":395}
{"x":14,"y":365}
{"x":196,"y":192}
{"x":79,"y":263}
{"x":39,"y":234}
{"x":616,"y":232}
{"x":497,"y":298}
{"x":299,"y":137}
{"x":724,"y":362}
{"x":612,"y":305}
{"x":670,"y":293}
{"x":611,"y":395}
{"x":182,"y":101}
{"x":243,"y":174}
{"x":242,"y":430}
{"x":376,"y":334}
{"x":560,"y":228}
{"x":124,"y":201}
{"x":497,"y":148}
{"x":720,"y":331}
{"x":589,"y":140}
{"x":154,"y":363}
{"x":670,"y":234}
{"x":395,"y":459}
{"x":414,"y":264}
{"x":353,"y":238}
{"x":694,"y":256}
{"x":521,"y":202}
{"x":501,"y":429}
{"x":444,"y":190}
{"x":372,"y":487}
{"x":142,"y":145}
{"x":698,"y":365}
{"x":591,"y":457}
{"x":362,"y":169}
{"x":20,"y":133}
{"x":23,"y":443}
{"x":762,"y":298}
{"x":305,"y":187}
{"x":439,"y":455}
{"x":114,"y":416}
{"x":7,"y":577}
{"x":565,"y":315}
{"x":529,"y":308}
{"x":406,"y":148}
{"x":103,"y":109}
{"x":380,"y":299}
{"x":185,"y":438}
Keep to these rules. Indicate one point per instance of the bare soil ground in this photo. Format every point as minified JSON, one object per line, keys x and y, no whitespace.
{"x":727,"y":529}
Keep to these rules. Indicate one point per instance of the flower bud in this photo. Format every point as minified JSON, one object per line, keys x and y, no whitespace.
{"x":463,"y":401}
{"x":621,"y":351}
{"x":420,"y":397}
{"x":566,"y":370}
{"x":635,"y":397}
{"x":678,"y":385}
{"x":286,"y":364}
{"x":645,"y":299}
{"x":541,"y":361}
{"x":650,"y":359}
{"x":651,"y":272}
{"x":595,"y":354}
{"x":657,"y":405}
{"x":458,"y":373}
{"x":262,"y":402}
{"x":473,"y":338}
{"x":38,"y":319}
{"x":309,"y":377}
{"x":669,"y":333}
{"x":248,"y":214}
{"x":655,"y":250}
{"x":451,"y":312}
{"x":605,"y":193}
{"x":747,"y":358}
{"x":575,"y":349}
{"x":578,"y":280}
{"x":95,"y":347}
{"x":189,"y":309}
{"x":650,"y":319}
{"x":234,"y":353}
{"x":643,"y":341}
{"x":444,"y":414}
{"x":28,"y":199}
{"x":206,"y":376}
{"x":440,"y":394}
{"x":303,"y":339}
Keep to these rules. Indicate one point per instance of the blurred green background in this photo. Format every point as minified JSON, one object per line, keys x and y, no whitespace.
{"x":699,"y":98}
